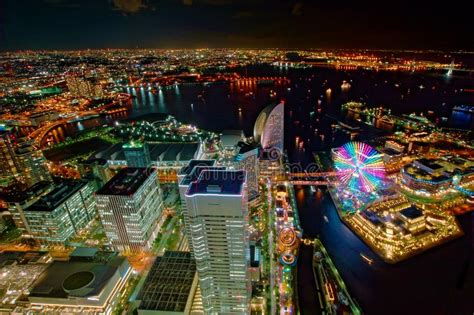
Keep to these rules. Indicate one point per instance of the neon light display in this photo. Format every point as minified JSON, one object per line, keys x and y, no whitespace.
{"x":287,"y":237}
{"x":288,"y":258}
{"x":359,"y":166}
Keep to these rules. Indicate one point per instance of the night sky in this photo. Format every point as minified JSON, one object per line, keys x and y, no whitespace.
{"x":76,"y":24}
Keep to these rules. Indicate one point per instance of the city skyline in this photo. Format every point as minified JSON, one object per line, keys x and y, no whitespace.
{"x":236,"y":181}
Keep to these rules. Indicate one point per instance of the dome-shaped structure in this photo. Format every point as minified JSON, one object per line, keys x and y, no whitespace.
{"x":269,"y":126}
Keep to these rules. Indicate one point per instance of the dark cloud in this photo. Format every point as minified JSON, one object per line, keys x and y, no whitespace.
{"x":209,"y":2}
{"x":218,"y":2}
{"x":244,"y":14}
{"x":71,"y":24}
{"x":62,"y":3}
{"x":297,"y":9}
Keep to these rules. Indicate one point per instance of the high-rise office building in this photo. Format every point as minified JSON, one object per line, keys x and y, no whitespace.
{"x":20,"y":161}
{"x":59,"y":215}
{"x":218,"y":218}
{"x":129,"y":206}
{"x":186,"y":176}
{"x":9,"y":166}
{"x":31,"y":162}
{"x":137,"y":154}
{"x":19,"y":200}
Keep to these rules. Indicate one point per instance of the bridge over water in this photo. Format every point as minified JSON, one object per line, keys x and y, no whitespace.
{"x":311,"y":179}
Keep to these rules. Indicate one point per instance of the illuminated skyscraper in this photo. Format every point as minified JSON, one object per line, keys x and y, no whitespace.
{"x":9,"y":166}
{"x":21,"y":161}
{"x":186,"y":175}
{"x":129,"y":206}
{"x":269,"y":127}
{"x":31,"y":162}
{"x":59,"y":215}
{"x":18,"y":200}
{"x":218,"y":218}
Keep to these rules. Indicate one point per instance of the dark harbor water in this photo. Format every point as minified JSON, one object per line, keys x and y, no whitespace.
{"x":440,"y":281}
{"x":216,"y":107}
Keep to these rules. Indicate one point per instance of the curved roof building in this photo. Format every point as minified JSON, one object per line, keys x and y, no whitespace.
{"x":269,"y":127}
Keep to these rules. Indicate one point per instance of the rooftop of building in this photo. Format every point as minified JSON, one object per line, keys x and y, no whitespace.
{"x":422,"y":175}
{"x":22,"y":258}
{"x":84,"y":252}
{"x":411,"y":212}
{"x":93,"y":161}
{"x":395,"y":142}
{"x":246,"y":147}
{"x":19,"y":196}
{"x":169,"y":283}
{"x":160,"y":152}
{"x":78,"y":278}
{"x":126,"y":181}
{"x":134,"y":144}
{"x":172,"y":152}
{"x":42,"y":113}
{"x":226,"y":182}
{"x":254,"y":255}
{"x":230,"y":138}
{"x":112,"y":153}
{"x":185,"y":170}
{"x":391,"y":152}
{"x":196,"y":172}
{"x":430,"y":163}
{"x":57,"y":196}
{"x":458,"y":161}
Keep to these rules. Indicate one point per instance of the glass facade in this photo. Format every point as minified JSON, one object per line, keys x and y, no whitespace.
{"x":61,"y":214}
{"x":218,"y":229}
{"x":131,"y":220}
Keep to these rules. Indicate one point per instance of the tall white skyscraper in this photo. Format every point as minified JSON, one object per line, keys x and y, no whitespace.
{"x":186,"y":176}
{"x":218,"y":219}
{"x":129,"y":206}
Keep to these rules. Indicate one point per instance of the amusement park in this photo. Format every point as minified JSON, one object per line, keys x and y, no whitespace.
{"x":375,"y":207}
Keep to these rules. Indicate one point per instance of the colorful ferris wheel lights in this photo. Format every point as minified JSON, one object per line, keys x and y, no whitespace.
{"x":359,"y":166}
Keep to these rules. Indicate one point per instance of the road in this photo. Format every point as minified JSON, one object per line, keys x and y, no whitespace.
{"x":160,"y":249}
{"x":270,"y":249}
